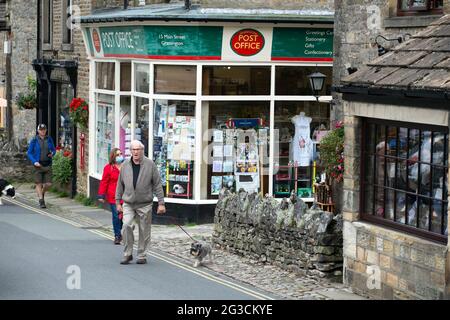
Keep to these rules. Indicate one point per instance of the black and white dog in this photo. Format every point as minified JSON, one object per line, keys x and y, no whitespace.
{"x":200,"y":250}
{"x":6,"y":189}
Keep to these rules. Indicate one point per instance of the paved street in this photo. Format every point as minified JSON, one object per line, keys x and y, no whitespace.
{"x":36,"y":251}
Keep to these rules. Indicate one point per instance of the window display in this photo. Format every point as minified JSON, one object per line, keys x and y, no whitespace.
{"x":105,"y":129}
{"x":64,"y":125}
{"x":406,"y":175}
{"x":238,"y":145}
{"x":141,"y":126}
{"x":174,"y":145}
{"x":125,"y":126}
{"x":300,"y":127}
{"x":105,"y":75}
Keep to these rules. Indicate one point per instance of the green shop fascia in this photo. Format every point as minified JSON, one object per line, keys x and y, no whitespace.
{"x":189,"y":90}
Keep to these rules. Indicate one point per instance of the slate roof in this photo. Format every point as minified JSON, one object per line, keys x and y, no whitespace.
{"x":177,"y":12}
{"x":422,"y":63}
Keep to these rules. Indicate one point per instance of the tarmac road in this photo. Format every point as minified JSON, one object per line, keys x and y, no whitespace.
{"x":42,"y":257}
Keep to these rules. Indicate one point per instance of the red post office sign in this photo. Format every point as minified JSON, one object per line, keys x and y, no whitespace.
{"x":96,"y":41}
{"x":247,"y":42}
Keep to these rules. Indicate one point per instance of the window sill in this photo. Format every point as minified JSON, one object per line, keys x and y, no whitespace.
{"x":67,"y":47}
{"x":410,"y":21}
{"x":47,"y":47}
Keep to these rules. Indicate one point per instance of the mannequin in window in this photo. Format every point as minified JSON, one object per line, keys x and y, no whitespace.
{"x":302,"y":144}
{"x":124,"y":121}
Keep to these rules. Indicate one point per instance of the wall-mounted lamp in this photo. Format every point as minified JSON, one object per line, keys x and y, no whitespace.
{"x":382,"y":50}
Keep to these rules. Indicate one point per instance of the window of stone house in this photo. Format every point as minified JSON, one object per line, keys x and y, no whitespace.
{"x":415,"y":7}
{"x":405,"y":182}
{"x":66,"y":21}
{"x":47,"y":22}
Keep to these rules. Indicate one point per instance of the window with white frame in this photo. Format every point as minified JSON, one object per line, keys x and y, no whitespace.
{"x":164,"y":105}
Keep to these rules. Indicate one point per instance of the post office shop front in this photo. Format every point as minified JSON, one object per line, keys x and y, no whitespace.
{"x":188,"y":91}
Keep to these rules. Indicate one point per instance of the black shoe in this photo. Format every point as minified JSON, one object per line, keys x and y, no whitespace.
{"x":42,"y":204}
{"x":141,"y":261}
{"x":117,"y":240}
{"x":126,"y":260}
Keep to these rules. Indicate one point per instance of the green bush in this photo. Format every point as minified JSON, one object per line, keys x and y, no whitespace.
{"x":61,"y":168}
{"x":332,"y":153}
{"x":28,"y":100}
{"x":86,"y":201}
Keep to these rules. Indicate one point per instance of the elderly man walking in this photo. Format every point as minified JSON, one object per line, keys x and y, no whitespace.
{"x":139,"y":179}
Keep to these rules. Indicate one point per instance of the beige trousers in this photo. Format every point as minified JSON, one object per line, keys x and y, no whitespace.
{"x":143,"y":217}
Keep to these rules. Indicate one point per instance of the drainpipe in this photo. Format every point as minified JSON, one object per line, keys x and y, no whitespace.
{"x":187,"y":4}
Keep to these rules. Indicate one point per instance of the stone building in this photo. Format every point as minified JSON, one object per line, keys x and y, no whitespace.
{"x":62,"y":70}
{"x":396,"y":182}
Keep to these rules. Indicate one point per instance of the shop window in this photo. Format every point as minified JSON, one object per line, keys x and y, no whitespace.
{"x":105,"y":72}
{"x":142,"y":78}
{"x":66,"y":15}
{"x":237,"y":154}
{"x":125,"y":76}
{"x":64,"y":124}
{"x":105,"y":129}
{"x":141,"y":127}
{"x":174,"y":146}
{"x":47,"y":24}
{"x":294,"y":81}
{"x":236,"y":80}
{"x":414,"y":7}
{"x":125,"y":128}
{"x":405,"y":177}
{"x":299,"y":126}
{"x":171,"y":79}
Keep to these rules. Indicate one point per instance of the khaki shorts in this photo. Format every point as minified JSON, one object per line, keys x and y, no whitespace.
{"x":43,"y":175}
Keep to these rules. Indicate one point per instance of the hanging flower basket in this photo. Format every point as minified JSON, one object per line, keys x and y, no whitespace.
{"x":28,"y":100}
{"x":79,"y":112}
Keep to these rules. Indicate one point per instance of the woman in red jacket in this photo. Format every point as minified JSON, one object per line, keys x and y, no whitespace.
{"x":107,"y":190}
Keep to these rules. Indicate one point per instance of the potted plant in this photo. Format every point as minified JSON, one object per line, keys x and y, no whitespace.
{"x":79,"y":112}
{"x":28,"y":100}
{"x":62,"y":170}
{"x":332,"y":160}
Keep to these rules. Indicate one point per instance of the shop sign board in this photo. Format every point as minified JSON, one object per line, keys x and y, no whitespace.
{"x":296,"y":44}
{"x":211,"y":43}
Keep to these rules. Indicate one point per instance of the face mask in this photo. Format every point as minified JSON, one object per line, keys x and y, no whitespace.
{"x":119,"y":159}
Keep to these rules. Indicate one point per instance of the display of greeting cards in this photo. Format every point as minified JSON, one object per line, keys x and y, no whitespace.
{"x":216,"y":184}
{"x":227,"y":166}
{"x":228,"y":181}
{"x":218,"y":136}
{"x":228,"y":150}
{"x":218,"y":151}
{"x":217,"y":165}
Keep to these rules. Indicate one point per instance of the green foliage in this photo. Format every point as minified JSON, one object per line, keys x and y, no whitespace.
{"x":62,"y":168}
{"x":28,"y":100}
{"x":332,"y":153}
{"x":86,"y":201}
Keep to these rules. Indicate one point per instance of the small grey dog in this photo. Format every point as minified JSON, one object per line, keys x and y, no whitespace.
{"x":200,"y":250}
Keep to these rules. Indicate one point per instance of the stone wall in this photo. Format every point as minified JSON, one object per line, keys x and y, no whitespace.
{"x":23,"y":51}
{"x":286,"y":233}
{"x":14,"y":164}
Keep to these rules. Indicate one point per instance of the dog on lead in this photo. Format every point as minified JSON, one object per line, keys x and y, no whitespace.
{"x":6,"y":189}
{"x":200,"y":250}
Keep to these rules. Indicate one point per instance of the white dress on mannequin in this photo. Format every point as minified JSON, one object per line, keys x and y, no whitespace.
{"x":302,"y":144}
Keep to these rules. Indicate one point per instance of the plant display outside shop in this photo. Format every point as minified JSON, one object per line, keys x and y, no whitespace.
{"x":28,"y":100}
{"x":79,"y":112}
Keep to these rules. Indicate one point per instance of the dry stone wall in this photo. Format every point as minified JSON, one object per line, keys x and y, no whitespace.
{"x":287,"y":234}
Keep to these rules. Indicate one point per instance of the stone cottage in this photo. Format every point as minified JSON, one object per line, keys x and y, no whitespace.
{"x":396,"y":184}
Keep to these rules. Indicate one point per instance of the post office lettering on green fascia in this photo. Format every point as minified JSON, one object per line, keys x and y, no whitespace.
{"x":117,"y":40}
